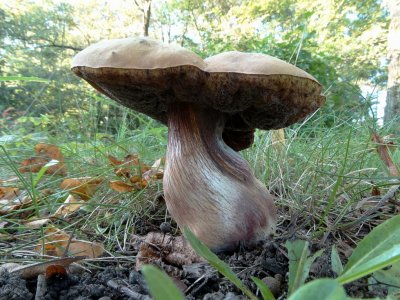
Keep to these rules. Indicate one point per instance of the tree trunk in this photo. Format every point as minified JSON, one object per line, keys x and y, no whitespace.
{"x":145,"y":8}
{"x":146,"y":17}
{"x":392,"y":109}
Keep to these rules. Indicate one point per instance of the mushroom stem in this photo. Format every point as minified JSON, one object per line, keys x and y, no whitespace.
{"x":208,"y":186}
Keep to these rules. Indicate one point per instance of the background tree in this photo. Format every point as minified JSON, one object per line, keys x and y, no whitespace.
{"x":340,"y":42}
{"x":392,"y":109}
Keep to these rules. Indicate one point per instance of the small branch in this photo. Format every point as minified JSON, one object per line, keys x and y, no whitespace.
{"x":61,"y":46}
{"x":41,"y":287}
{"x":126,"y":291}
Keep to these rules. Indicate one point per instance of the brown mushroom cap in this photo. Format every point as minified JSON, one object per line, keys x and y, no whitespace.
{"x":254,"y":90}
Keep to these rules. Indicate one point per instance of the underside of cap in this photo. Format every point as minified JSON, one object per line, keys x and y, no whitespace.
{"x":254,"y":90}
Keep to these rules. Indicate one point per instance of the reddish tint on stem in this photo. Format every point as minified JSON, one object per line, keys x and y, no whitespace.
{"x":208,"y":186}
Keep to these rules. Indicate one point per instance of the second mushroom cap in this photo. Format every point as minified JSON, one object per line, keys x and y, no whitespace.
{"x":254,"y":90}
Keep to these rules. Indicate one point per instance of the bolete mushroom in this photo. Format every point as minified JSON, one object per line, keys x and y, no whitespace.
{"x":212,"y":108}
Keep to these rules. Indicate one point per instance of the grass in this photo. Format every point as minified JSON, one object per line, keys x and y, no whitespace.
{"x":318,"y":176}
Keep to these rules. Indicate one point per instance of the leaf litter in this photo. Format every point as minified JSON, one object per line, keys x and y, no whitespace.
{"x":120,"y":278}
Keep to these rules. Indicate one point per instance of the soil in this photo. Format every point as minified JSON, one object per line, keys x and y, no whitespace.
{"x":198,"y":280}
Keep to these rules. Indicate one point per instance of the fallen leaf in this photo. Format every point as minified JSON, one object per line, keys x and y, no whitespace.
{"x":32,"y":271}
{"x":135,"y":178}
{"x":120,"y":186}
{"x":36,"y":224}
{"x":70,"y":205}
{"x":131,"y":160}
{"x":156,"y":171}
{"x":9,"y":205}
{"x":375,"y":191}
{"x":59,"y":243}
{"x":140,"y":185}
{"x":84,"y":187}
{"x":122,"y":172}
{"x":45,"y":154}
{"x":8,"y":193}
{"x":49,"y":150}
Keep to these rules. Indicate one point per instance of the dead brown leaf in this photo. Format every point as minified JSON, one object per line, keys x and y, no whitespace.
{"x":59,"y":243}
{"x":8,"y":192}
{"x":120,"y":186}
{"x":32,"y":271}
{"x":9,"y":205}
{"x":84,"y":187}
{"x":36,"y":223}
{"x":129,"y":164}
{"x":70,"y":205}
{"x":156,"y":171}
{"x":45,"y":153}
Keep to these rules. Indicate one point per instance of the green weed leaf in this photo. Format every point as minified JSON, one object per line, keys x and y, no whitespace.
{"x":299,"y":263}
{"x":382,"y":260}
{"x":320,"y":289}
{"x":160,"y":285}
{"x":390,"y":278}
{"x":337,"y":265}
{"x":380,"y":248}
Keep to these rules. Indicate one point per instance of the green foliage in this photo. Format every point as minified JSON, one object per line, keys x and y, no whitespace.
{"x":299,"y":263}
{"x":264,"y":289}
{"x":160,"y":285}
{"x":320,"y":289}
{"x":40,"y":39}
{"x":337,"y":265}
{"x":389,"y":277}
{"x":380,"y":248}
{"x":21,"y":78}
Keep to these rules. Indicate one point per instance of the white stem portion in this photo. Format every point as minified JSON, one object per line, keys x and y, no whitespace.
{"x":208,"y":186}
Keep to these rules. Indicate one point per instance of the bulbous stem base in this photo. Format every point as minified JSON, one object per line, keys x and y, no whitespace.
{"x":208,"y":186}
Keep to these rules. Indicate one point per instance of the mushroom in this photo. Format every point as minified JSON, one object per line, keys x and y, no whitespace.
{"x":211,"y":108}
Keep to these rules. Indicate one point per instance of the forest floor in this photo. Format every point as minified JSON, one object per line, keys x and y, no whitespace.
{"x":117,"y":278}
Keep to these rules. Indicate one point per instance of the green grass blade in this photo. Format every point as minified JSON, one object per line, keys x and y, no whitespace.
{"x":338,"y":183}
{"x":320,"y":289}
{"x":160,"y":285}
{"x":264,"y":289}
{"x":380,"y":245}
{"x":218,"y":264}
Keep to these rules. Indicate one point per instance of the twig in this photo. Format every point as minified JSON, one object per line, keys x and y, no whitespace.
{"x":41,"y":287}
{"x":390,"y":194}
{"x":126,"y":291}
